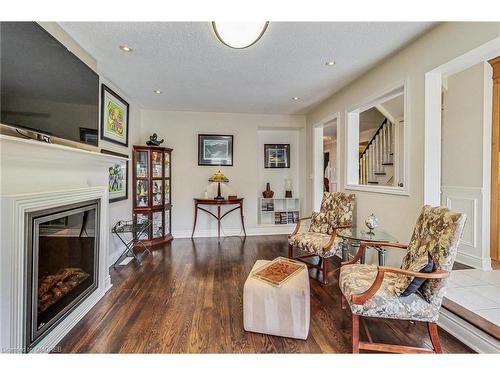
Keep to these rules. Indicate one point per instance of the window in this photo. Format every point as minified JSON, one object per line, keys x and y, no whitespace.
{"x":377,"y":144}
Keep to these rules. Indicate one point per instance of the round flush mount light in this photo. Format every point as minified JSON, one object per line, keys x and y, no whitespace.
{"x":330,"y":63}
{"x":158,"y":92}
{"x":295,"y":98}
{"x":125,"y":48}
{"x":239,"y":35}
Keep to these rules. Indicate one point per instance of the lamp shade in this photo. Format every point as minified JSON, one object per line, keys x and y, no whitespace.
{"x":218,"y":177}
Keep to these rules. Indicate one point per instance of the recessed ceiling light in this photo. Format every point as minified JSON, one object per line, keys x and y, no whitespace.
{"x":330,"y":63}
{"x":125,"y":48}
{"x":158,"y":92}
{"x":295,"y":98}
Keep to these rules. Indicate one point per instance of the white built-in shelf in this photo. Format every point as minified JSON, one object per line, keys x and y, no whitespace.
{"x":279,"y":211}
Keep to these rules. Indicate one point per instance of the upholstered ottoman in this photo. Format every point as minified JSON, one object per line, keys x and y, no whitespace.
{"x":280,"y":311}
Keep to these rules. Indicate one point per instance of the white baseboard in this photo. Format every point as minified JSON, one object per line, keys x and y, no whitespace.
{"x":256,"y":231}
{"x":474,"y":262}
{"x":471,"y":336}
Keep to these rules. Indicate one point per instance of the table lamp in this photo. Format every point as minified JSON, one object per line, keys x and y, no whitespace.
{"x":218,"y":177}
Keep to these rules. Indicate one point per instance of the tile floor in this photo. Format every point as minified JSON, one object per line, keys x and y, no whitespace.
{"x":478,"y":291}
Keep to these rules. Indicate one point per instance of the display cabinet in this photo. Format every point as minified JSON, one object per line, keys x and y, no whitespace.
{"x":153,"y":197}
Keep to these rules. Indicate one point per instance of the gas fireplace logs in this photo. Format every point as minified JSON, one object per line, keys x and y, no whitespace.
{"x":52,"y":288}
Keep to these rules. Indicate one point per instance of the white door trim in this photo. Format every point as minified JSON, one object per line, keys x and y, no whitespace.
{"x":432,"y":128}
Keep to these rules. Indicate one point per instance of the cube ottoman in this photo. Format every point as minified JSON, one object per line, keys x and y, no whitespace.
{"x":280,"y":311}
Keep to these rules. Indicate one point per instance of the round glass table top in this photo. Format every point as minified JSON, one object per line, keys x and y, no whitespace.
{"x":362,"y":234}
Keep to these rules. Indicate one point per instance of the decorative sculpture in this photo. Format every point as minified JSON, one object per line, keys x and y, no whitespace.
{"x":371,"y":222}
{"x":153,"y":140}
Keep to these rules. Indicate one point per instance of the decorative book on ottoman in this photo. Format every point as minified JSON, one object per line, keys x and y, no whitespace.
{"x":278,"y":271}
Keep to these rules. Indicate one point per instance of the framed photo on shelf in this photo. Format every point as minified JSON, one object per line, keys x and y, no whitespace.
{"x":118,"y":178}
{"x":142,"y":193}
{"x":215,"y":149}
{"x":277,"y":155}
{"x":89,"y":136}
{"x":114,"y":117}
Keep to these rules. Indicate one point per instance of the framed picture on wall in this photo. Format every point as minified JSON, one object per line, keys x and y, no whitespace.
{"x":117,"y":178}
{"x":114,"y":117}
{"x":277,"y":155}
{"x":215,"y":149}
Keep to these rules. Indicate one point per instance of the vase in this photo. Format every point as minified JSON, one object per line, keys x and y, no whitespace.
{"x":268,"y":193}
{"x":288,"y":188}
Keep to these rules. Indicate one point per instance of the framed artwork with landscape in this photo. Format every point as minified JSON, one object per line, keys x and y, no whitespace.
{"x":214,"y":149}
{"x":114,"y":117}
{"x":277,"y":155}
{"x":118,"y":178}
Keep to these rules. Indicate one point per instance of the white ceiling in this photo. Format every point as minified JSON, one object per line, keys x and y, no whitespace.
{"x":198,"y":73}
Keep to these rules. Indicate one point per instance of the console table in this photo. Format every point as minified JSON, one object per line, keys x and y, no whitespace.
{"x":218,"y":202}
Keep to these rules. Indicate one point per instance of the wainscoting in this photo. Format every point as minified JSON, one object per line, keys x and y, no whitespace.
{"x":474,"y":249}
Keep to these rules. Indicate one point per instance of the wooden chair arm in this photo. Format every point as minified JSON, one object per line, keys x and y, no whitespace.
{"x":297,"y":226}
{"x":364,"y":244}
{"x":359,"y":299}
{"x":439,"y":274}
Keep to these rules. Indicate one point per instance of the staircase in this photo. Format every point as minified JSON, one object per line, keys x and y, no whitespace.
{"x":376,"y":161}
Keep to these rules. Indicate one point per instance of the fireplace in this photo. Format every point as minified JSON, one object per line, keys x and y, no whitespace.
{"x":62,"y":264}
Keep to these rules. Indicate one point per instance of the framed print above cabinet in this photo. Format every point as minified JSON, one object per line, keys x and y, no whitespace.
{"x":118,"y":178}
{"x":114,"y":117}
{"x":214,"y":149}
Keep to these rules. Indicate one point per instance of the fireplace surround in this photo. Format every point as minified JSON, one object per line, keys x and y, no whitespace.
{"x":36,"y":177}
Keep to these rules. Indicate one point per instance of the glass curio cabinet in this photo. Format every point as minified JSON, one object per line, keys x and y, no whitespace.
{"x":152,"y":192}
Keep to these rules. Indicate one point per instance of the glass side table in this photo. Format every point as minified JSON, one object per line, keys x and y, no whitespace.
{"x":351,"y":237}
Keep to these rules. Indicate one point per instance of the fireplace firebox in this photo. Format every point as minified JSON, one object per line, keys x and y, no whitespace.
{"x":62,"y":264}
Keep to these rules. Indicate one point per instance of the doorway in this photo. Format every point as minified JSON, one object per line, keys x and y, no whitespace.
{"x":325,"y":159}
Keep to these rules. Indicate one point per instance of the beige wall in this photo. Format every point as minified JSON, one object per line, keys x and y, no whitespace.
{"x":462,"y":128}
{"x":397,"y":214}
{"x":246,"y":176}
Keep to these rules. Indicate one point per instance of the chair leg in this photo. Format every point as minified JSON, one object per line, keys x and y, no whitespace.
{"x":325,"y":271}
{"x":355,"y":333}
{"x":343,"y":302}
{"x":290,"y":251}
{"x":433,"y":333}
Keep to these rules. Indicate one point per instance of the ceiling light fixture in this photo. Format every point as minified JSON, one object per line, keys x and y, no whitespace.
{"x":158,"y":92}
{"x":239,"y":35}
{"x":330,"y":63}
{"x":295,"y":98}
{"x":125,"y":48}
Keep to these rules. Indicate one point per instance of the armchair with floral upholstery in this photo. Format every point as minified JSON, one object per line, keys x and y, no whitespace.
{"x":321,"y":239}
{"x":383,"y":292}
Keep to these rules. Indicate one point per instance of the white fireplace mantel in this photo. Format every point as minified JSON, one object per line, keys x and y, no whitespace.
{"x":35,"y":176}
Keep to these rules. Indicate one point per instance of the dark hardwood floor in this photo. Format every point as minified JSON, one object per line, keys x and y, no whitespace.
{"x":187,"y":298}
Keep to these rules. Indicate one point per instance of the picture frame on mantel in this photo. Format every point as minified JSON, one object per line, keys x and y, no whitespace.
{"x":117,"y":178}
{"x":215,"y":149}
{"x":114,"y":117}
